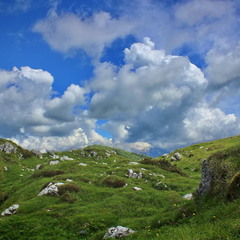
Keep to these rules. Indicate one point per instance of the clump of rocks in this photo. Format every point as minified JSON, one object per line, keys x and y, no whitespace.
{"x":11,"y":210}
{"x":118,"y":232}
{"x":132,"y":174}
{"x":8,"y":148}
{"x":51,"y":189}
{"x":176,"y":157}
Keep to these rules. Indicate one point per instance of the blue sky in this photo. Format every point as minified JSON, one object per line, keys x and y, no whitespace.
{"x":135,"y":75}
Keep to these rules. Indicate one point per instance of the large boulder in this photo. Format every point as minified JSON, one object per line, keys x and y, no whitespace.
{"x":11,"y":210}
{"x":118,"y":232}
{"x":8,"y":148}
{"x":51,"y":189}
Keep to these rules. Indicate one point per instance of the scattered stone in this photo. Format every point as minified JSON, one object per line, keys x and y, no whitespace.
{"x":118,"y":232}
{"x":188,"y":196}
{"x":51,"y":189}
{"x":165,"y":155}
{"x":190,"y":155}
{"x":206,"y":179}
{"x":37,"y":153}
{"x":38,"y":166}
{"x":132,"y":174}
{"x":177,"y":155}
{"x":5,"y":168}
{"x":160,"y":186}
{"x":63,"y":158}
{"x":143,"y":169}
{"x":104,"y":163}
{"x":11,"y":210}
{"x":82,"y":164}
{"x":201,"y":147}
{"x":133,"y":163}
{"x":173,"y":159}
{"x":52,"y":153}
{"x":55,"y":156}
{"x":93,"y":154}
{"x":8,"y":148}
{"x":53,"y":162}
{"x":69,"y":180}
{"x":137,"y":188}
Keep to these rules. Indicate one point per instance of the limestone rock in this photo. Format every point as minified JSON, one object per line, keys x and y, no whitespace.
{"x":165,"y":155}
{"x":51,"y":189}
{"x":188,"y":196}
{"x":82,"y":164}
{"x":8,"y":148}
{"x":38,"y":166}
{"x":63,"y":158}
{"x":133,"y":163}
{"x":206,"y":179}
{"x":5,"y":168}
{"x":53,"y":162}
{"x":137,"y":188}
{"x":11,"y":210}
{"x":132,"y":174}
{"x":118,"y":232}
{"x":177,"y":156}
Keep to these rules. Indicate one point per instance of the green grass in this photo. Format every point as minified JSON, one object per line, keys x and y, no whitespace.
{"x":91,"y":204}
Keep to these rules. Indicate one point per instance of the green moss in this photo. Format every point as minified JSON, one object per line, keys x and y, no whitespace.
{"x":234,"y":187}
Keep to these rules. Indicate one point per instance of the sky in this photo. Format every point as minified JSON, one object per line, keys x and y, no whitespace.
{"x":138,"y":75}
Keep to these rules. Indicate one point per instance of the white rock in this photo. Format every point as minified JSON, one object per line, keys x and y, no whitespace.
{"x":38,"y":166}
{"x":69,"y":180}
{"x":82,"y":164}
{"x":133,"y":163}
{"x":55,"y":156}
{"x":63,"y":158}
{"x":5,"y":168}
{"x":53,"y":162}
{"x":11,"y":210}
{"x":51,"y":189}
{"x":143,"y":169}
{"x":118,"y":232}
{"x":137,"y":188}
{"x":188,"y":196}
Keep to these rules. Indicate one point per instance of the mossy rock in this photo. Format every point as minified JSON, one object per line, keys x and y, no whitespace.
{"x":234,"y":187}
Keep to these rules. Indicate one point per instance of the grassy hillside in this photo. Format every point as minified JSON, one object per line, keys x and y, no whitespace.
{"x":101,"y":194}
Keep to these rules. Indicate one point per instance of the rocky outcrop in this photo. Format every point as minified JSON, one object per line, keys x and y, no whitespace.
{"x":188,"y":196}
{"x":206,"y":179}
{"x":51,"y":189}
{"x":11,"y":210}
{"x":8,"y":148}
{"x":132,"y":174}
{"x":53,"y":162}
{"x":63,"y":158}
{"x":176,"y":157}
{"x":118,"y":232}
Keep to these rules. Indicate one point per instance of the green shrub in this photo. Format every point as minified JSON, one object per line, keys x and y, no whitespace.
{"x":113,"y":182}
{"x":47,"y":173}
{"x":164,"y":164}
{"x":234,"y":187}
{"x":68,"y":187}
{"x":68,"y":197}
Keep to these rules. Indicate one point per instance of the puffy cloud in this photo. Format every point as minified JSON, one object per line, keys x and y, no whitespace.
{"x":223,"y":66}
{"x":149,"y":79}
{"x":91,"y":34}
{"x":204,"y":123}
{"x":62,"y":109}
{"x":154,"y":98}
{"x":74,"y":140}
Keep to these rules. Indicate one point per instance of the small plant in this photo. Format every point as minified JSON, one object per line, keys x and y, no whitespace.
{"x":47,"y":173}
{"x":113,"y":182}
{"x":69,"y":187}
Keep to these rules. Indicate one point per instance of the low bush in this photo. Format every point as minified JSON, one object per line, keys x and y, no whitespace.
{"x":113,"y":182}
{"x":234,"y":187}
{"x":47,"y":173}
{"x":68,"y":187}
{"x":164,"y":164}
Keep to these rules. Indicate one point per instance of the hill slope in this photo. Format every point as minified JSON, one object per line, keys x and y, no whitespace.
{"x":97,"y":193}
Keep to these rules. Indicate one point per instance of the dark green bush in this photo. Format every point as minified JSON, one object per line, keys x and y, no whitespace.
{"x":68,"y":197}
{"x":164,"y":164}
{"x":47,"y":173}
{"x":113,"y":182}
{"x":68,"y":187}
{"x":234,"y":187}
